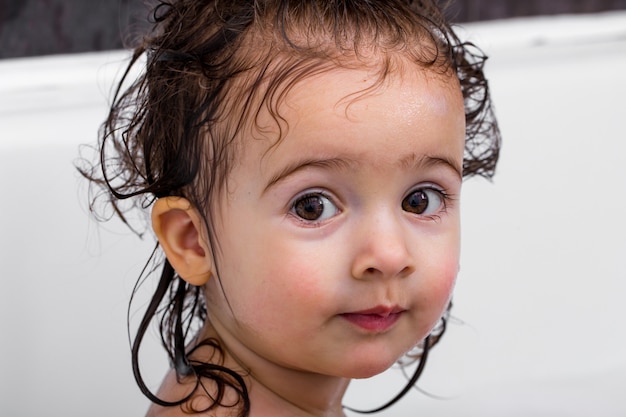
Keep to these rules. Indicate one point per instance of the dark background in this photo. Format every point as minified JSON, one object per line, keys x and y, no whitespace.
{"x":41,"y":27}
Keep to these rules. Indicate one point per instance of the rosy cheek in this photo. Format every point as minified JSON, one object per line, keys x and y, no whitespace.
{"x":443,"y":286}
{"x":449,"y":277}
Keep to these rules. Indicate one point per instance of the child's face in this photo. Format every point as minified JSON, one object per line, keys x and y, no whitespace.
{"x":339,"y":247}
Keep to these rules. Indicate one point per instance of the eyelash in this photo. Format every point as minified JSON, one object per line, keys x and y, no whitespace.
{"x":444,"y":197}
{"x":445,"y":201}
{"x":313,"y":195}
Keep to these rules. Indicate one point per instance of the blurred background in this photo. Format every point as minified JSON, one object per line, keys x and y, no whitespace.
{"x":539,"y":312}
{"x":41,"y":27}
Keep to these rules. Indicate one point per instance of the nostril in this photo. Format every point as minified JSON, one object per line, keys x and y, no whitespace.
{"x":370,"y":270}
{"x":406,"y":271}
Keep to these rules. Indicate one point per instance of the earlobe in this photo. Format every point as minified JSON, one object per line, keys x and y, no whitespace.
{"x":179,"y":228}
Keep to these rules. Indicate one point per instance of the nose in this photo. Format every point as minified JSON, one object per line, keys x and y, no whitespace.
{"x":382,"y":249}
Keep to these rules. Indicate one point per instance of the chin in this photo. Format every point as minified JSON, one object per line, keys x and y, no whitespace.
{"x":370,"y":368}
{"x":369,"y":373}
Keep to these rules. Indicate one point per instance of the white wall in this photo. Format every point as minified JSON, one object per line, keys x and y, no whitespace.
{"x":539,"y":329}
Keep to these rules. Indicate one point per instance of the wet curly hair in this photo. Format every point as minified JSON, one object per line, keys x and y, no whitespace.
{"x":208,"y":68}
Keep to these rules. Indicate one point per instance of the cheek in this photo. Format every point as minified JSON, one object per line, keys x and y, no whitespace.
{"x":298,"y":278}
{"x":449,"y":262}
{"x":448,"y":279}
{"x":434,"y":296}
{"x":270,"y":280}
{"x":442,"y":278}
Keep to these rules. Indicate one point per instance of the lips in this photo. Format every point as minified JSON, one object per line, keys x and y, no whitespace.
{"x":377,"y":319}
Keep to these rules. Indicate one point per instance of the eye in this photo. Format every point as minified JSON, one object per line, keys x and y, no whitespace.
{"x":314,"y":207}
{"x":424,"y":201}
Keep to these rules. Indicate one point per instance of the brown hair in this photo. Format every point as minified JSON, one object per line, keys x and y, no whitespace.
{"x":210,"y":65}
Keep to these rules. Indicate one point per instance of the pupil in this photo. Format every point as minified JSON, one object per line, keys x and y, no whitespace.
{"x":310,"y":208}
{"x":416,"y":202}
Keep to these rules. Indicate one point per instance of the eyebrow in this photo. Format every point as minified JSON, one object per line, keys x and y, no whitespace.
{"x":427,"y":161}
{"x":299,"y":165}
{"x":410,"y":162}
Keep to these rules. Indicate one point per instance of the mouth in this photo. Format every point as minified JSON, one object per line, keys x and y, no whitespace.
{"x":378,"y":319}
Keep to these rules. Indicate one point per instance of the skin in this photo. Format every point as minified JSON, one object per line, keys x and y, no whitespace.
{"x":290,"y":286}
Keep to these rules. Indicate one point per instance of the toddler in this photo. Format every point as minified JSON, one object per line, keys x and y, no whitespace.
{"x":302,"y":162}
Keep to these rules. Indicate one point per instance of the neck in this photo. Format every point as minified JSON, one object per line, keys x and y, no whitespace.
{"x":277,"y":391}
{"x":294,"y":394}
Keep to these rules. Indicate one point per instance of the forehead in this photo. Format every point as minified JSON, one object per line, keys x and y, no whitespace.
{"x":351,"y":92}
{"x":357,"y":114}
{"x":405,"y":91}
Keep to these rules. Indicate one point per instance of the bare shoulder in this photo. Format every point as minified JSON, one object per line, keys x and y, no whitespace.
{"x":171,"y":390}
{"x":200,"y":404}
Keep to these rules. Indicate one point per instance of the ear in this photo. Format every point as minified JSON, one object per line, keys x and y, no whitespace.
{"x":181,"y":233}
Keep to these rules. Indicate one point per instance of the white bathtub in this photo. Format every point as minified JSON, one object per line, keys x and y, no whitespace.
{"x":540,"y":298}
